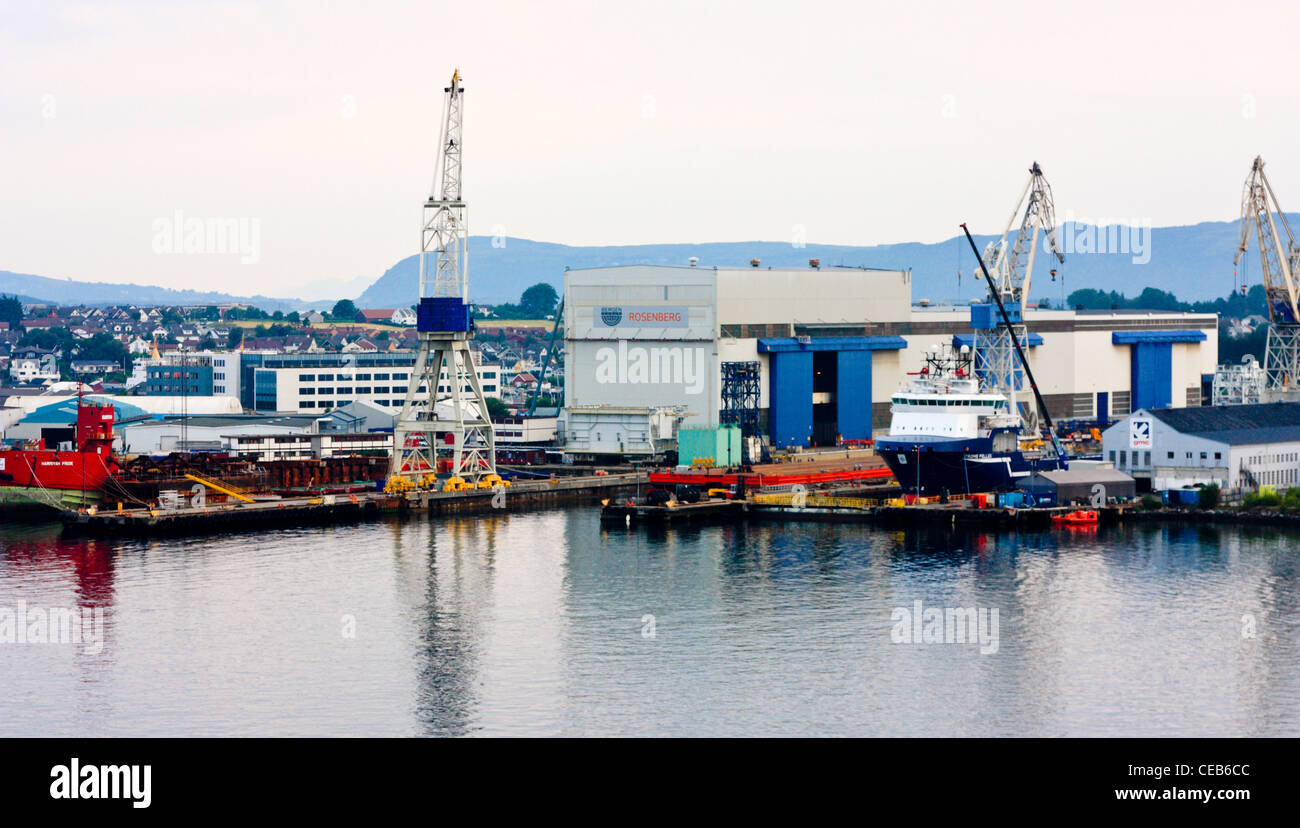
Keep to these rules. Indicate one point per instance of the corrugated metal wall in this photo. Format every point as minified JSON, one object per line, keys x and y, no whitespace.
{"x":853,"y":394}
{"x":1152,"y":374}
{"x":790,"y":396}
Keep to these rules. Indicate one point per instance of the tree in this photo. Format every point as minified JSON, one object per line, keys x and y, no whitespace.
{"x":103,"y":346}
{"x":497,"y":409}
{"x":1208,"y":497}
{"x":11,"y":311}
{"x":344,"y":311}
{"x":235,"y":338}
{"x":51,"y":339}
{"x":538,"y":301}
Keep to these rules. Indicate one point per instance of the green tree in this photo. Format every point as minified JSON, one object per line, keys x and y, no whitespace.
{"x":1208,"y":497}
{"x":497,"y":409}
{"x":538,"y":301}
{"x":344,"y":311}
{"x":235,"y":338}
{"x":11,"y":311}
{"x":51,"y":339}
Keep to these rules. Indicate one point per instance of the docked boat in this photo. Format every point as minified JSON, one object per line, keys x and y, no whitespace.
{"x":34,"y":475}
{"x":948,"y":435}
{"x":1079,"y":517}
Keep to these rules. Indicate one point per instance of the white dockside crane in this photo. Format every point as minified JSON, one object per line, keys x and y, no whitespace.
{"x":1012,"y":269}
{"x":1281,"y":265}
{"x":447,"y":432}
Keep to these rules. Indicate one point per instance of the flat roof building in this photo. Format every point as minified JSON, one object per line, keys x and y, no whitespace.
{"x":816,"y":353}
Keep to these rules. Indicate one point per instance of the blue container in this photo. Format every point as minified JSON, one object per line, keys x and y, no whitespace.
{"x":442,"y":313}
{"x":986,"y":317}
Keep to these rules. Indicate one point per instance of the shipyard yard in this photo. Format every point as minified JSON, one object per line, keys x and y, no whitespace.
{"x":379,"y":371}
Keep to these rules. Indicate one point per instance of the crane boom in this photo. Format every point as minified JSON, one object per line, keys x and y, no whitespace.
{"x":444,"y":212}
{"x":1280,"y":257}
{"x":1280,"y":262}
{"x":1016,"y":270}
{"x":1010,"y":271}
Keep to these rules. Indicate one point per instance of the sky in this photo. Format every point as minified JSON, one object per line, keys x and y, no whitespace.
{"x":310,"y":128}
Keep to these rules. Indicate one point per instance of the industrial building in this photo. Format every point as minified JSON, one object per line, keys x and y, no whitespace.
{"x":811,"y":356}
{"x":1235,"y":447}
{"x":1079,"y":485}
{"x":320,"y":382}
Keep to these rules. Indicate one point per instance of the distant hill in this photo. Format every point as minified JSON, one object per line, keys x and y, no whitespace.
{"x":32,"y":288}
{"x":1193,"y":262}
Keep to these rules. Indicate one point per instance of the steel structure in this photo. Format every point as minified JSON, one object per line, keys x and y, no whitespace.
{"x":444,"y":429}
{"x":1010,"y":270}
{"x":1242,"y":384}
{"x":1280,"y":258}
{"x":740,"y":396}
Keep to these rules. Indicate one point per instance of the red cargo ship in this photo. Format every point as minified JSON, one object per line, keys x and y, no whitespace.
{"x":62,"y":479}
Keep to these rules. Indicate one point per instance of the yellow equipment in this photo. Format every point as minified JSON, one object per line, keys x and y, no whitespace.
{"x":229,"y":491}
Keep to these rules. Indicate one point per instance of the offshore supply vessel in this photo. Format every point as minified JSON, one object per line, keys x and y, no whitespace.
{"x":33,"y":475}
{"x":948,"y":435}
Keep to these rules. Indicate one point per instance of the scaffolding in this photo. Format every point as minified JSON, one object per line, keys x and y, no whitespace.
{"x":741,"y":396}
{"x":1242,"y":384}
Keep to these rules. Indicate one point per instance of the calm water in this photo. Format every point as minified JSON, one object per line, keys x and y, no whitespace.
{"x":536,"y":624}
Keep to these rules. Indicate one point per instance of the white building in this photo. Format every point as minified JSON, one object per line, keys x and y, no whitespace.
{"x":317,"y":383}
{"x":1236,"y":447}
{"x":33,"y":366}
{"x":831,"y":345}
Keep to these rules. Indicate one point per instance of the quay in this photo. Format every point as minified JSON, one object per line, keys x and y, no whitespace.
{"x":819,"y":507}
{"x":322,"y":509}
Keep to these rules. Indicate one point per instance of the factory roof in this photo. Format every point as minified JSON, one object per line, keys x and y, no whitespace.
{"x":1086,"y":474}
{"x":65,"y":411}
{"x":1235,"y":424}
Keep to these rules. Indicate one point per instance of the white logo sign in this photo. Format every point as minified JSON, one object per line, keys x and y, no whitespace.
{"x":1139,"y":433}
{"x":612,"y":316}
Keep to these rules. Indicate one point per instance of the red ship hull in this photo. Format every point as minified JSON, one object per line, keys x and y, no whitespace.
{"x":61,"y":479}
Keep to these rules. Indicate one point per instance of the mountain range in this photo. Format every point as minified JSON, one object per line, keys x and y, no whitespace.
{"x":1194,"y":262}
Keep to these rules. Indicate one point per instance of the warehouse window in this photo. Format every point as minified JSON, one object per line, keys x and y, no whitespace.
{"x":1146,"y":458}
{"x":1112,"y":457}
{"x":1218,"y":455}
{"x":1171,"y":456}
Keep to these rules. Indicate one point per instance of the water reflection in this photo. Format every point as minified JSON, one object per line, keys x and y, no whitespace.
{"x":547,"y":623}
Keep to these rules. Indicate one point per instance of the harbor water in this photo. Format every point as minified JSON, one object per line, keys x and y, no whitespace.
{"x":545,"y":623}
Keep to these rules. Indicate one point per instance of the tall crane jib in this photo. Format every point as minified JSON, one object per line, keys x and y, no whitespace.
{"x":1011,"y":270}
{"x":1280,"y":260}
{"x":444,"y":430}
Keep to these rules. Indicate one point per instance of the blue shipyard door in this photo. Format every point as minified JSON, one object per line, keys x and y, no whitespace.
{"x":819,"y":390}
{"x":1151,"y":364}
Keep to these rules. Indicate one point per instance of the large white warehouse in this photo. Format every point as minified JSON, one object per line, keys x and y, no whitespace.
{"x":814,"y":354}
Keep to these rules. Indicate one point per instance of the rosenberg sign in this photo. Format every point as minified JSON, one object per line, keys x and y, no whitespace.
{"x":613,"y":316}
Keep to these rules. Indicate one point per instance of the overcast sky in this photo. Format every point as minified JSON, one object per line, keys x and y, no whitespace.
{"x":609,"y":123}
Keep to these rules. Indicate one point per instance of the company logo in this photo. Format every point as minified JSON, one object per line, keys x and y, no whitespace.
{"x":647,"y":317}
{"x":1139,"y":433}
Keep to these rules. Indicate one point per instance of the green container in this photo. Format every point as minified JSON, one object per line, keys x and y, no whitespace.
{"x":720,"y":445}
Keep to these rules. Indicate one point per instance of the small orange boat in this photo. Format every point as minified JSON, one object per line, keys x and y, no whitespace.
{"x":1079,"y":517}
